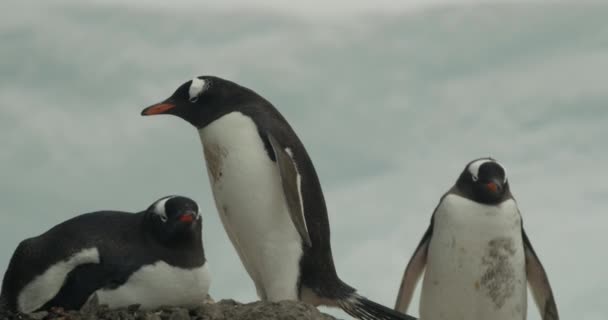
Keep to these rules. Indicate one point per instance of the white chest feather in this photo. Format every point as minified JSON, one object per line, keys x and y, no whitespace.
{"x":160,"y":284}
{"x":475,"y":264}
{"x":45,"y":286}
{"x":249,"y":198}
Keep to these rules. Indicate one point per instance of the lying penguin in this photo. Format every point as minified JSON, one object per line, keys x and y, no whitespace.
{"x":152,"y":258}
{"x":476,"y":256}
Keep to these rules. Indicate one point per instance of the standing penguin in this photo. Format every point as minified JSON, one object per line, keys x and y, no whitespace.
{"x":477,"y":255}
{"x":152,"y":258}
{"x":267,"y":194}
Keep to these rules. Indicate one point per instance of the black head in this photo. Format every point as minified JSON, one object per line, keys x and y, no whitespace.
{"x":174,"y":218}
{"x":204,"y":99}
{"x":484,"y":180}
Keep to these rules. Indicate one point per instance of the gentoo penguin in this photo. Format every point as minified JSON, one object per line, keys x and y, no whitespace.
{"x":267,"y":194}
{"x":152,"y":258}
{"x":477,"y":255}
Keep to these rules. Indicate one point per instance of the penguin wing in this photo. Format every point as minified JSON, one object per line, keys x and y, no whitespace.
{"x":292,"y":187}
{"x":81,"y":283}
{"x":37,"y":268}
{"x":85,"y":280}
{"x":539,"y":282}
{"x":413,"y":271}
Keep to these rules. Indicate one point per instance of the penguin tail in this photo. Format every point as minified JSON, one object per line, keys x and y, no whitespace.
{"x":362,"y":308}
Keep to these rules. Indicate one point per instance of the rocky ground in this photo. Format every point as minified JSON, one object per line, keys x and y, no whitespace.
{"x":222,"y":310}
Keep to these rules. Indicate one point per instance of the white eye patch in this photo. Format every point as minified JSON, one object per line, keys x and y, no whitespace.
{"x":196,"y":87}
{"x":474,"y":168}
{"x":159,"y":208}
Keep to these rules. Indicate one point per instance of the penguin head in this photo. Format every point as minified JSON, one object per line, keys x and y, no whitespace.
{"x":174,"y":217}
{"x":484,"y":180}
{"x":203,"y":99}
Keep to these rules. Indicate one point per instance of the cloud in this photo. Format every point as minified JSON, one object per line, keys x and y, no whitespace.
{"x":389,"y":109}
{"x":314,"y":9}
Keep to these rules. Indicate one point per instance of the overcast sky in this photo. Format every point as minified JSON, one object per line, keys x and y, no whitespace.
{"x":391,"y":101}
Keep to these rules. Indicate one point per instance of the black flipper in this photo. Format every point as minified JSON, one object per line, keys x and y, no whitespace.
{"x":290,"y":180}
{"x":539,"y":282}
{"x":83,"y":281}
{"x":413,"y":271}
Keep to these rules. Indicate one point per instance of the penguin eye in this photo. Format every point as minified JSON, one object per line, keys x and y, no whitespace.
{"x":193,"y":99}
{"x":475,"y":178}
{"x":163,"y":218}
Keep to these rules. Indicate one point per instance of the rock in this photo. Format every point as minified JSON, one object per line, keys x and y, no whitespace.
{"x":6,"y":314}
{"x":39,"y":315}
{"x":208,"y":299}
{"x":179,"y":314}
{"x":152,"y":316}
{"x":133,"y":307}
{"x":222,"y":310}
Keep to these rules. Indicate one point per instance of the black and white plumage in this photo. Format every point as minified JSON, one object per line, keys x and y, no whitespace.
{"x":267,"y":194}
{"x":152,"y":258}
{"x":476,"y":256}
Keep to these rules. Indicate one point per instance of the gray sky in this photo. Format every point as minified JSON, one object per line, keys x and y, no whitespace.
{"x":391,"y":102}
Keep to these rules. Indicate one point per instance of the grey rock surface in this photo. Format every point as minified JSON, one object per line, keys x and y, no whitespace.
{"x":222,"y":310}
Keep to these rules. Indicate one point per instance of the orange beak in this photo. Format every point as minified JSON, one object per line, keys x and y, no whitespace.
{"x":189,"y":217}
{"x":492,"y":187}
{"x":159,"y":108}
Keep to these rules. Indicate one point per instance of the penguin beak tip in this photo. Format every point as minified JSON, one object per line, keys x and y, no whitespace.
{"x":159,"y":108}
{"x":493,"y":187}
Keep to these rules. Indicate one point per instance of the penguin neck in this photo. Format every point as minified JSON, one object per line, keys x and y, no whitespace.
{"x":187,"y":238}
{"x":233,"y":129}
{"x":467,"y":191}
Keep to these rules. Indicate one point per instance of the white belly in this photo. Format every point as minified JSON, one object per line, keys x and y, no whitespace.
{"x":476,"y":264}
{"x":158,"y":285}
{"x":249,"y":198}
